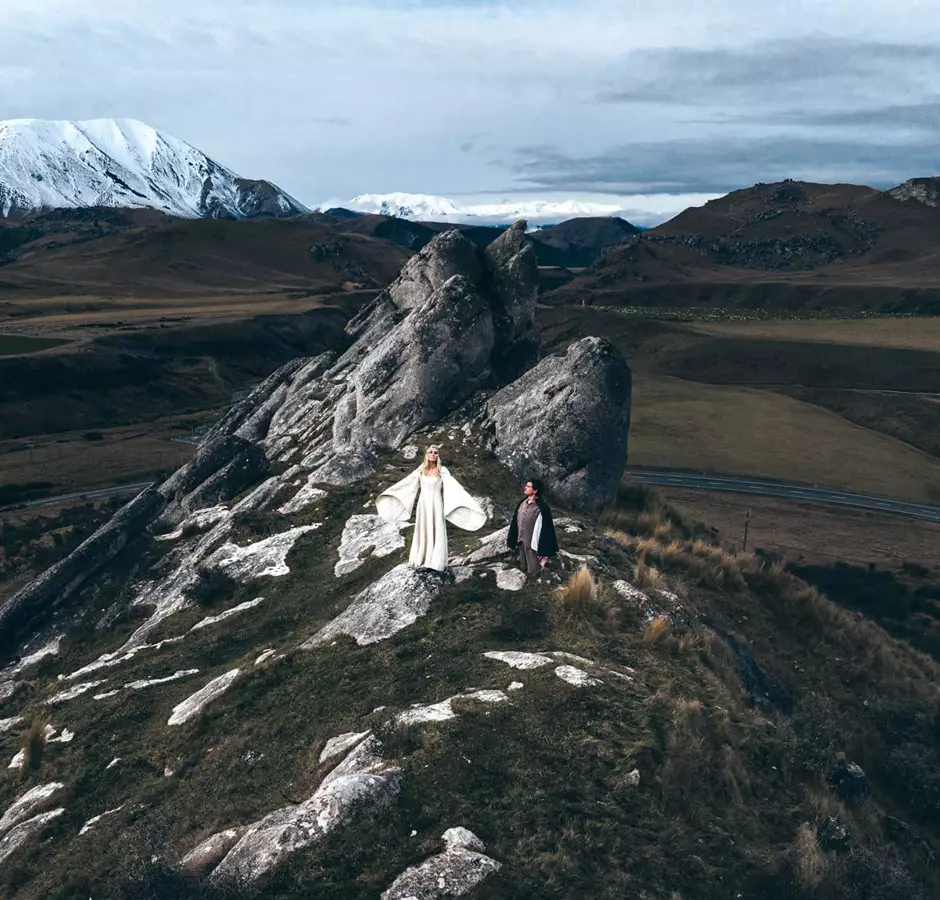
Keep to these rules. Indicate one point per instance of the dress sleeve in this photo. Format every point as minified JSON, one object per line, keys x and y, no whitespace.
{"x":396,"y":503}
{"x":460,"y":508}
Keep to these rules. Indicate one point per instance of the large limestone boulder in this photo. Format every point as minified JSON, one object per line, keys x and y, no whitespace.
{"x":420,"y":370}
{"x":566,"y":421}
{"x":445,"y":256}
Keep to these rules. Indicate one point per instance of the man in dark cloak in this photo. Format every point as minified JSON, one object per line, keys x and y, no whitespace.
{"x":532,"y":530}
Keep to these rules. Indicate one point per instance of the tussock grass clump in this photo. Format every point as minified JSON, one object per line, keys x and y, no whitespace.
{"x":583,"y":597}
{"x":809,"y":861}
{"x":703,"y":765}
{"x":34,"y":744}
{"x":397,"y":740}
{"x":657,"y":631}
{"x":639,"y":510}
{"x":645,"y":576}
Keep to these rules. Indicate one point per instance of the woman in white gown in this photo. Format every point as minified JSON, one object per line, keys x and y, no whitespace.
{"x":440,"y":500}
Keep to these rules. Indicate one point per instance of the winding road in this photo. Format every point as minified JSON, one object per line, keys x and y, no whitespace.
{"x":741,"y":485}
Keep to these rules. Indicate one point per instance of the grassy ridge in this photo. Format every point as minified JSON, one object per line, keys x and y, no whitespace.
{"x":543,"y":779}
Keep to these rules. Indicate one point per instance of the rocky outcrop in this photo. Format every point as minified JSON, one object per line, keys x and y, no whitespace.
{"x":448,"y":255}
{"x":445,"y":328}
{"x":194,"y":705}
{"x":384,"y":608}
{"x":567,"y":421}
{"x":363,"y":782}
{"x":57,"y":586}
{"x":453,"y":873}
{"x":922,"y":190}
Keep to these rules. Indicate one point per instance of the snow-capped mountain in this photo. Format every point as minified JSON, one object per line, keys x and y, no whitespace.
{"x":405,"y":206}
{"x":123,"y":163}
{"x":428,"y":207}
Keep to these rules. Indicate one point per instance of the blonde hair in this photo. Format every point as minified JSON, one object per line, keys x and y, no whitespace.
{"x":426,"y":468}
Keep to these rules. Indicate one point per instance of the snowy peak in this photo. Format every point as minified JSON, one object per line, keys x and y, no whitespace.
{"x":123,"y":163}
{"x":405,"y":206}
{"x":428,"y":207}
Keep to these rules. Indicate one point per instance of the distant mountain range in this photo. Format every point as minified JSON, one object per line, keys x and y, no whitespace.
{"x":123,"y":163}
{"x":426,"y":207}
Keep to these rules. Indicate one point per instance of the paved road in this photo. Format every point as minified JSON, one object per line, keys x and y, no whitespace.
{"x":121,"y":490}
{"x":671,"y":478}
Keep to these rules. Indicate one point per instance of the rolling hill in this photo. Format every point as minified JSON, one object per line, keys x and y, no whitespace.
{"x":784,"y":245}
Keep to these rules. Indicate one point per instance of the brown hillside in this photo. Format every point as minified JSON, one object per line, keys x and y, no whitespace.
{"x":153,"y":255}
{"x":826,"y":246}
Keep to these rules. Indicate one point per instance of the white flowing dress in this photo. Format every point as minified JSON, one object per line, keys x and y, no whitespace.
{"x":440,"y":499}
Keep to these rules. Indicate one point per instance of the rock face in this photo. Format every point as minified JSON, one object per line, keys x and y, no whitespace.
{"x":57,"y":585}
{"x":453,"y":873}
{"x":384,"y":608}
{"x":363,"y":782}
{"x":567,"y":421}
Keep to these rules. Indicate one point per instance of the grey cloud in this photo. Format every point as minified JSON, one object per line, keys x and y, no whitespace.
{"x":686,"y":75}
{"x":917,"y":116}
{"x":721,"y":165}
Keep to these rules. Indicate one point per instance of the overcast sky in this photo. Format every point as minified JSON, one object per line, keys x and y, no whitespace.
{"x":471,"y":97}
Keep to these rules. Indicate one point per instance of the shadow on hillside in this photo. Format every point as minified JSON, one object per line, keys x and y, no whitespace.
{"x":905,"y":604}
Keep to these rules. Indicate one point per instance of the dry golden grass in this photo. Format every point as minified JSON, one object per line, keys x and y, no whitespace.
{"x":645,"y":576}
{"x":809,"y":861}
{"x":583,"y":597}
{"x":34,"y":745}
{"x":747,"y":431}
{"x":657,"y":631}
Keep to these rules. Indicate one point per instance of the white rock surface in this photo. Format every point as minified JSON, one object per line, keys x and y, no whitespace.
{"x":563,"y":654}
{"x":266,"y":558}
{"x":7,"y":724}
{"x":113,"y":762}
{"x":629,"y":592}
{"x":444,"y":711}
{"x":576,"y":677}
{"x":453,"y":873}
{"x":633,"y":778}
{"x":151,"y":682}
{"x":212,"y":849}
{"x":515,"y":686}
{"x":491,"y":546}
{"x":365,"y":536}
{"x":9,"y":675}
{"x":65,"y":738}
{"x":194,"y":705}
{"x":360,"y":784}
{"x":19,"y":834}
{"x":463,"y":838}
{"x":23,"y":807}
{"x":518,"y":660}
{"x":341,"y":744}
{"x":306,"y":496}
{"x":111,"y":660}
{"x":432,"y":712}
{"x":510,"y":579}
{"x":94,"y":820}
{"x":265,"y":656}
{"x":461,"y":573}
{"x":227,"y":614}
{"x":384,"y":608}
{"x":106,"y":695}
{"x":73,"y":692}
{"x":200,"y":520}
{"x":410,"y":452}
